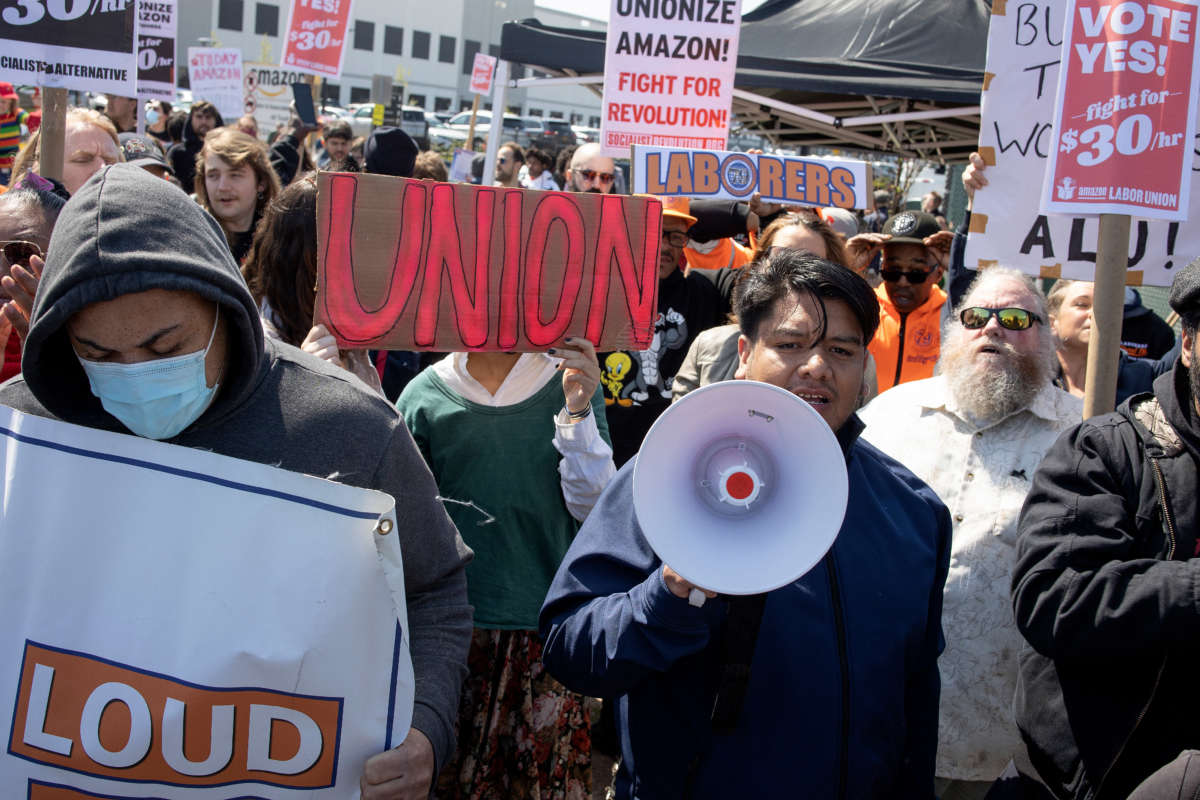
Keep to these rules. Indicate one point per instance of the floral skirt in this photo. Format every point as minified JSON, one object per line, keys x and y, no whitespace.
{"x":521,"y":734}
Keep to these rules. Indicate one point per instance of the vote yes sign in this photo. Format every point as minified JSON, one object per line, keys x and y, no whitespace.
{"x":1126,"y":109}
{"x":315,"y":41}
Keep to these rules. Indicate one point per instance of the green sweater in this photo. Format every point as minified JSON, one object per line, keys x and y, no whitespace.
{"x":503,"y":460}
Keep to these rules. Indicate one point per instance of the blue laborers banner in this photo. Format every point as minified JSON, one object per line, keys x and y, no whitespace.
{"x":792,"y":180}
{"x":187,"y":625}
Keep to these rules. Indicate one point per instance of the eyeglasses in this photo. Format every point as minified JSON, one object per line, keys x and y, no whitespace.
{"x":19,"y":252}
{"x":675,"y":238}
{"x":914,"y":276}
{"x":1015,"y":319}
{"x":591,"y":175}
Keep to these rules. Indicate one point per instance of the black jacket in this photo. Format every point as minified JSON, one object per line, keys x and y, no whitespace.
{"x":1108,"y":599}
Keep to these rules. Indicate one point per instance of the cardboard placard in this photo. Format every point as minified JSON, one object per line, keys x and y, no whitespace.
{"x":1126,"y":109}
{"x":158,"y":21}
{"x":215,"y":75}
{"x":482,"y":73}
{"x":668,"y":74}
{"x":418,"y":265}
{"x":778,"y":179}
{"x":262,"y":678}
{"x":88,"y":47}
{"x":315,"y":38}
{"x":1015,"y":139}
{"x":267,"y":94}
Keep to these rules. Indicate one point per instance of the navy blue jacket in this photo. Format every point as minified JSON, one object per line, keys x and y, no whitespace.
{"x":843,"y":695}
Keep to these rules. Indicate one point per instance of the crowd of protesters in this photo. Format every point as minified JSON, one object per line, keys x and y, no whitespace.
{"x":1009,"y":609}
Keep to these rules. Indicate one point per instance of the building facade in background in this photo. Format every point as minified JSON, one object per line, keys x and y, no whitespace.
{"x":426,"y":47}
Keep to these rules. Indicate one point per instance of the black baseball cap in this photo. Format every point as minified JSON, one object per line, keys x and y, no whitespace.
{"x":910,"y":227}
{"x":143,"y":151}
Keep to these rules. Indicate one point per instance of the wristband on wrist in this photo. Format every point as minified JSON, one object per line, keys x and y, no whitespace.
{"x":576,"y":416}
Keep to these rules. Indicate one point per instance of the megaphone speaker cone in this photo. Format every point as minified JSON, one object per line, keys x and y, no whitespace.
{"x":740,"y":487}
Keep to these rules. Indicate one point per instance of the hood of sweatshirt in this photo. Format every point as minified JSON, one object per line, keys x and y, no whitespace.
{"x":127,"y":231}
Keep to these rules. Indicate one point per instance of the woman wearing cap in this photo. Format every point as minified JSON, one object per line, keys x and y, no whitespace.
{"x":234,"y":183}
{"x":90,"y":144}
{"x":12,"y":117}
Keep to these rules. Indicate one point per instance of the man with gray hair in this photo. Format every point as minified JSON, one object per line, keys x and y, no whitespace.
{"x":975,"y":433}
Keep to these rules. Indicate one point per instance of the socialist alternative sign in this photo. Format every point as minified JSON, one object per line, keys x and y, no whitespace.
{"x":1126,"y":109}
{"x":87,"y":46}
{"x":416,"y":265}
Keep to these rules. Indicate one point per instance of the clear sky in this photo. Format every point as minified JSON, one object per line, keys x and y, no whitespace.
{"x":598,"y":9}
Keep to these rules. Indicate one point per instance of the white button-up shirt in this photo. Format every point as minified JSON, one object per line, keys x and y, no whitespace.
{"x":982,"y":475}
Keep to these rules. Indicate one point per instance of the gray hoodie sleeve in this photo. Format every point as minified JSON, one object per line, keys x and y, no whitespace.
{"x":439,"y":616}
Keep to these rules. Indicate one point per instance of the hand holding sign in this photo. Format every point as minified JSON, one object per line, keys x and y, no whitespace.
{"x":581,"y":372}
{"x":402,"y":773}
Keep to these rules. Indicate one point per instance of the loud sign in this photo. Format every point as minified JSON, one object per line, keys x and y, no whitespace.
{"x":779,"y":179}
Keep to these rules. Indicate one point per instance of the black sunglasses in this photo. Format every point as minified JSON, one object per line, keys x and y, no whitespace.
{"x":1015,"y":319}
{"x":19,"y":252}
{"x":914,"y":276}
{"x":591,"y":175}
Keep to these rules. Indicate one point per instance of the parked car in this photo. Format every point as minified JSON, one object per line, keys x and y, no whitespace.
{"x":513,"y":125}
{"x":557,"y":136}
{"x":584,"y":135}
{"x":412,"y":122}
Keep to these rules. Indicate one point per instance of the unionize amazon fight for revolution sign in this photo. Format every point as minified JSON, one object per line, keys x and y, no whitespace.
{"x":191,"y":625}
{"x":157,"y":24}
{"x":1016,"y":138}
{"x":414,"y":265}
{"x":316,"y":36}
{"x":87,"y":45}
{"x":668,"y":73}
{"x":778,"y":179}
{"x":1126,"y":109}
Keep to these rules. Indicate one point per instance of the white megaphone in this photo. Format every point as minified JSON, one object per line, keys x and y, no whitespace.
{"x":740,"y":487}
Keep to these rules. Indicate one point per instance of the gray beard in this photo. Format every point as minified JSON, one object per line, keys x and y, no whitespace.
{"x":989,"y":394}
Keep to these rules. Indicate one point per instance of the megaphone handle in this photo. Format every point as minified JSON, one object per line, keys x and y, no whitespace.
{"x":696,"y":597}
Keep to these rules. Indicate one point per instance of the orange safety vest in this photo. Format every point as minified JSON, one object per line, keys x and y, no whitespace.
{"x":727,"y":253}
{"x":906,"y":346}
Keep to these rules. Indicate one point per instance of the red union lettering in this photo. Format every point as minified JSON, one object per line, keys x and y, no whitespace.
{"x":516,"y":262}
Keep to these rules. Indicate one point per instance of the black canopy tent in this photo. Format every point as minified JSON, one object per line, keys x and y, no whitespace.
{"x":901,"y":76}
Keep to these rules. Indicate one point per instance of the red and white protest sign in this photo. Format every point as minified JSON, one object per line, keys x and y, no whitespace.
{"x":316,"y":36}
{"x":1126,"y":109}
{"x":668,"y":74}
{"x":482,"y":73}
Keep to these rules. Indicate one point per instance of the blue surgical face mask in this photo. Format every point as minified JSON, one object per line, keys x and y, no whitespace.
{"x":155,"y":399}
{"x":152,"y":116}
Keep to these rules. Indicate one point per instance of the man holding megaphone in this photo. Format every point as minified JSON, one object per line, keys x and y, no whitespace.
{"x":816,"y":682}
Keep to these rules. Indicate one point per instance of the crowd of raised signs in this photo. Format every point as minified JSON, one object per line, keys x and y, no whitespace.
{"x":1010,"y":609}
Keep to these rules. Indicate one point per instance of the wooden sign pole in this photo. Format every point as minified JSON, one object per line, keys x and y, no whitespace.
{"x":53,"y":133}
{"x":1108,"y":303}
{"x":471,"y":126}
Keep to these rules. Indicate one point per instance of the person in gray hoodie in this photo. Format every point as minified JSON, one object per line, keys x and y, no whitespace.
{"x":142,"y":324}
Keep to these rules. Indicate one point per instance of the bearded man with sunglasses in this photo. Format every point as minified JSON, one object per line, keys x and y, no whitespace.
{"x":975,"y":434}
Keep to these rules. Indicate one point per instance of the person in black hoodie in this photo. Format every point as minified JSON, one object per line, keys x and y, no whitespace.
{"x":1106,"y":589}
{"x":202,"y":118}
{"x":137,"y":273}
